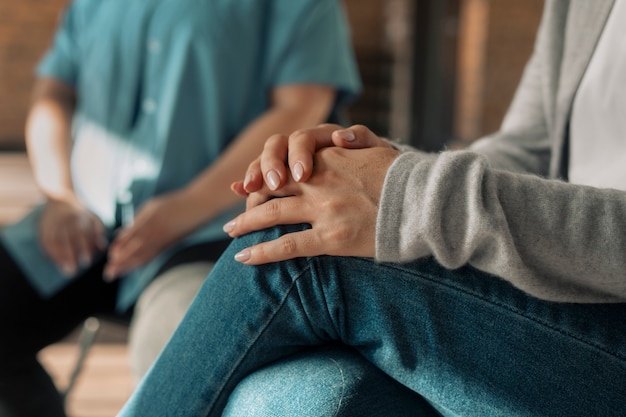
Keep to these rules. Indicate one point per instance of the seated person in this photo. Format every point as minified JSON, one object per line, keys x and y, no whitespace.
{"x":143,"y":114}
{"x":479,"y":279}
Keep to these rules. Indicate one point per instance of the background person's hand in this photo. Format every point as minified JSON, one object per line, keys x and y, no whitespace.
{"x":296,"y":153}
{"x":339,"y":201}
{"x":159,"y":223}
{"x":70,"y":235}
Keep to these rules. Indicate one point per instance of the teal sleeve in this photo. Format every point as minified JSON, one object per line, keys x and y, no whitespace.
{"x":62,"y":57}
{"x":309,"y":42}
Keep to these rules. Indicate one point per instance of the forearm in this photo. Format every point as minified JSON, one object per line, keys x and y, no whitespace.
{"x":552,"y":239}
{"x":48,"y":138}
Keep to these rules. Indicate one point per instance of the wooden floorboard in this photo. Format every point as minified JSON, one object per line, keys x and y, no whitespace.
{"x":104,"y":384}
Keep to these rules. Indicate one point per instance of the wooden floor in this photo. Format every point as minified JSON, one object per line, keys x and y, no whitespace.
{"x":105,"y":382}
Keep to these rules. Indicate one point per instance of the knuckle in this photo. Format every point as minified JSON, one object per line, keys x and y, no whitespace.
{"x":273,"y":140}
{"x":299,"y":132}
{"x":299,"y":136}
{"x":289,"y":245}
{"x":272,"y":208}
{"x":361,"y":131}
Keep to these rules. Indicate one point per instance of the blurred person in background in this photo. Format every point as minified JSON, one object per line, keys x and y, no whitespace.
{"x":489,"y":281}
{"x":144,"y":112}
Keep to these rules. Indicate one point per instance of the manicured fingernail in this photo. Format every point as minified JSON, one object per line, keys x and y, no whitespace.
{"x":229,"y":227}
{"x":247,"y":181}
{"x":243,"y":256}
{"x":273,"y":180}
{"x":346,"y":135}
{"x":298,"y":171}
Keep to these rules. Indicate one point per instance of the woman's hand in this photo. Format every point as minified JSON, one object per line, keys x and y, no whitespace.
{"x":339,"y":201}
{"x":70,"y":235}
{"x":295,"y":153}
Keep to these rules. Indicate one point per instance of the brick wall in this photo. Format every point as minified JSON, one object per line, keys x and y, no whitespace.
{"x":26,"y":27}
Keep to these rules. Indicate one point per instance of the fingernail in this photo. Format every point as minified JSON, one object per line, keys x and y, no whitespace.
{"x":243,"y":256}
{"x":298,"y":171}
{"x":229,"y":227}
{"x":346,"y":135}
{"x":247,"y":180}
{"x":273,"y":180}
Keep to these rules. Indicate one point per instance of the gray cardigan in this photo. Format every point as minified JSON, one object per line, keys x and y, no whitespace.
{"x":502,"y":206}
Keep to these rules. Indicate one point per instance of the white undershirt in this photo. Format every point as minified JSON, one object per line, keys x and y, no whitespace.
{"x":598,"y":122}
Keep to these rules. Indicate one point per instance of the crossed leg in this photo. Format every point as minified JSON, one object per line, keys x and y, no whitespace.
{"x":469,"y":343}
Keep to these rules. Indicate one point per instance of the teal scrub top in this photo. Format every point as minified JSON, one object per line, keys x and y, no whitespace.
{"x":163,"y":87}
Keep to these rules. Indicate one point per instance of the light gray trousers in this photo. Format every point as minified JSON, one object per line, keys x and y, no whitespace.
{"x":159,"y":310}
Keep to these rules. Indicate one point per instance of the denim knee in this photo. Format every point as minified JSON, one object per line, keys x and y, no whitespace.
{"x":321,"y":382}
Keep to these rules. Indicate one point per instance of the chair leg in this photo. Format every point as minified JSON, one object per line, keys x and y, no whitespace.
{"x":88,"y":333}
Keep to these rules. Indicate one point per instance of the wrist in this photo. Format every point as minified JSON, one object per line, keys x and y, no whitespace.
{"x":62,"y":196}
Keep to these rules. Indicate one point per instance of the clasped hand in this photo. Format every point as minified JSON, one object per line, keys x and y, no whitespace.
{"x":70,"y":235}
{"x":159,"y":223}
{"x":328,"y":177}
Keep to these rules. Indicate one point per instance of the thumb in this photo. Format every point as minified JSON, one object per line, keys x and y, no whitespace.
{"x":357,"y":137}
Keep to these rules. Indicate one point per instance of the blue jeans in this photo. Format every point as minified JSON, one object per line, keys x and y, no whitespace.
{"x":326,"y":381}
{"x":467,"y":342}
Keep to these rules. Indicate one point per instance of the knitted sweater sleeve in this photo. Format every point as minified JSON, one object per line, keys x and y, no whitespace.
{"x":554,"y":240}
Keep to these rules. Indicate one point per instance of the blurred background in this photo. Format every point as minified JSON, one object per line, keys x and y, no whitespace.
{"x":436,"y":73}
